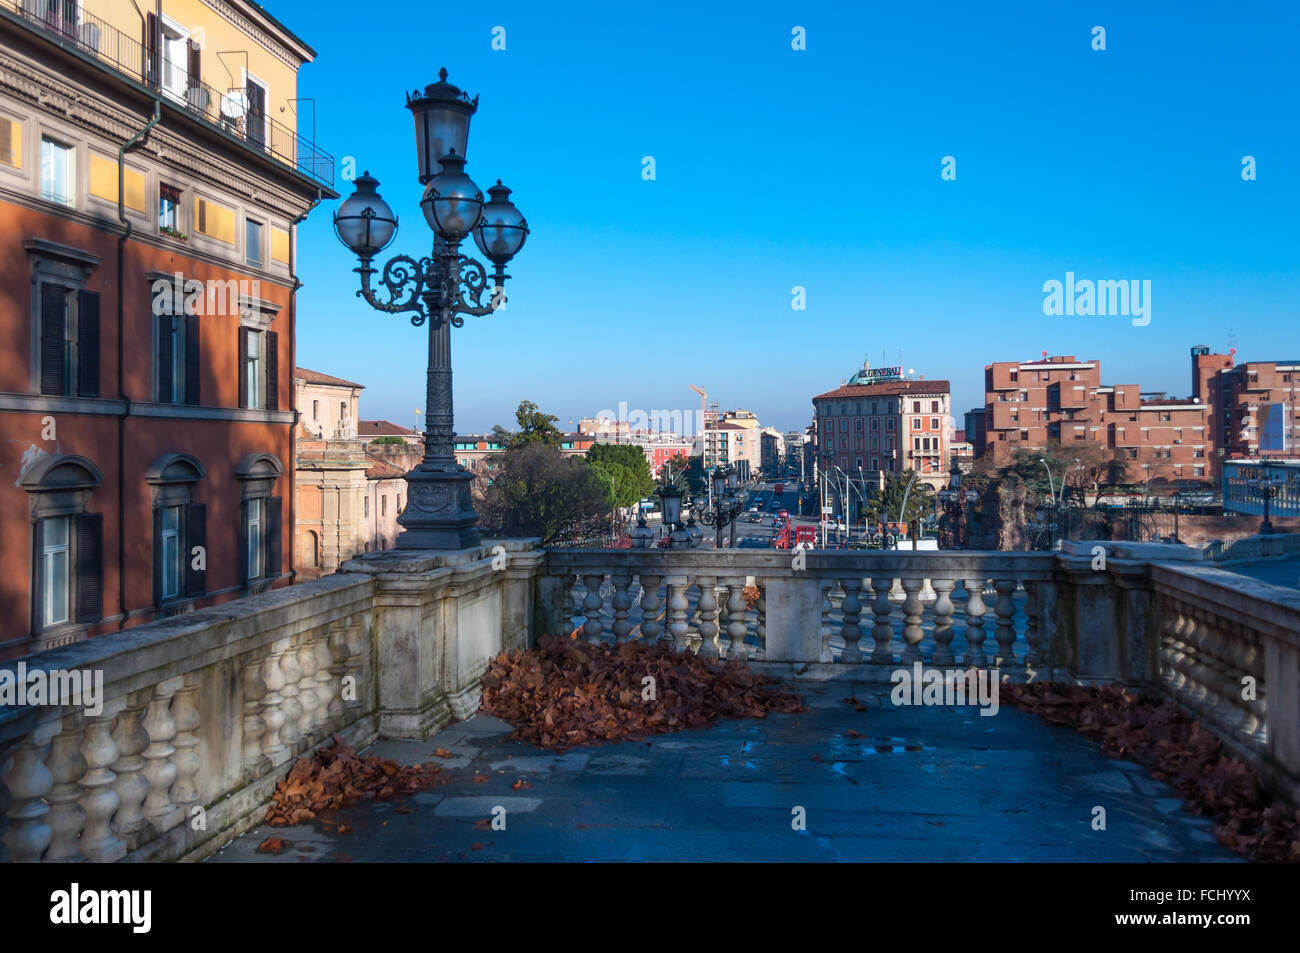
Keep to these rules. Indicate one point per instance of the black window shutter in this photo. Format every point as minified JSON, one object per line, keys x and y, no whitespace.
{"x":53,"y":332}
{"x":193,"y":64}
{"x":196,"y":534}
{"x":192,"y":359}
{"x":150,"y":45}
{"x":38,"y":576}
{"x":90,"y":567}
{"x":243,"y":542}
{"x":166,"y":345}
{"x":243,"y":366}
{"x":157,"y":556}
{"x":88,"y":343}
{"x":272,"y":372}
{"x":273,"y":529}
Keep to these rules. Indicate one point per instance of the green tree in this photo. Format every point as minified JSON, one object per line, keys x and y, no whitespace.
{"x":534,"y":427}
{"x":884,"y":506}
{"x":538,"y":491}
{"x":627,"y":469}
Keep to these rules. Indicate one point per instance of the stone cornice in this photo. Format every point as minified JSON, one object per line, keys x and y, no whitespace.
{"x":99,"y":115}
{"x":279,"y":49}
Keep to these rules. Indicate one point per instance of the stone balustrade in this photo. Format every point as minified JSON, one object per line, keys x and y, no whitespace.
{"x":814,"y":611}
{"x":202,"y":714}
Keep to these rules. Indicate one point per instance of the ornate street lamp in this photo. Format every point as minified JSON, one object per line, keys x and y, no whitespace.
{"x":439,"y":289}
{"x":643,"y":537}
{"x":727,"y":504}
{"x":1266,"y":489}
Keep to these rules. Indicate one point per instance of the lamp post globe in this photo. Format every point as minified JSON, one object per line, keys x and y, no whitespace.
{"x":364,"y":222}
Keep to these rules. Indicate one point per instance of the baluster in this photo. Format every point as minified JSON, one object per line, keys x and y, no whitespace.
{"x":737,"y":627}
{"x":273,"y":747}
{"x":850,"y":631}
{"x":358,"y":655}
{"x":678,"y":627}
{"x":132,"y":786}
{"x":291,"y":704}
{"x":912,"y":612}
{"x":975,"y":623}
{"x":159,"y":769}
{"x":882,"y":632}
{"x":98,"y":842}
{"x":28,"y":781}
{"x":185,"y":789}
{"x":326,"y":686}
{"x":1006,"y":630}
{"x":708,"y":616}
{"x":943,"y":613}
{"x":67,"y":817}
{"x":592,"y":606}
{"x":651,"y":627}
{"x":337,"y":647}
{"x":760,"y":628}
{"x":622,"y":604}
{"x":306,"y":657}
{"x":1033,"y":634}
{"x":253,"y":726}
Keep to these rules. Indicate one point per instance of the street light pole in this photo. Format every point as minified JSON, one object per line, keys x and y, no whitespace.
{"x":439,"y":289}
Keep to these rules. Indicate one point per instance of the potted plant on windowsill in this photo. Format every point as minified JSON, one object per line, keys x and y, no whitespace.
{"x":173,"y":233}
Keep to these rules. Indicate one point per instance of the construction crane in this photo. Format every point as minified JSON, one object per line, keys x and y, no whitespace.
{"x":704,"y":396}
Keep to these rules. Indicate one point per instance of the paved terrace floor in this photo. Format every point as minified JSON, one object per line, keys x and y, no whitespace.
{"x":924,"y":783}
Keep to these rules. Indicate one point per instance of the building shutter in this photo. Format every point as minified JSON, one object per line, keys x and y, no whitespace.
{"x":192,"y":359}
{"x":243,"y":543}
{"x":157,"y":556}
{"x":53,"y":332}
{"x":194,"y":80}
{"x":90,"y":567}
{"x":196,"y":530}
{"x":88,"y":343}
{"x":273,"y":531}
{"x":151,"y":47}
{"x":272,"y":372}
{"x":38,"y":575}
{"x":7,"y":152}
{"x":243,"y":366}
{"x":166,"y":345}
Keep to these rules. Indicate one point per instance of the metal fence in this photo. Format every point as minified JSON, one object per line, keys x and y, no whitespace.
{"x":238,"y":110}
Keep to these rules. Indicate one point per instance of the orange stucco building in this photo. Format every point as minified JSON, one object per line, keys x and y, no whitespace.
{"x":147,"y":305}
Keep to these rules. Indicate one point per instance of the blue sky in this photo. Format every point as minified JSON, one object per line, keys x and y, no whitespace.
{"x":818,"y":168}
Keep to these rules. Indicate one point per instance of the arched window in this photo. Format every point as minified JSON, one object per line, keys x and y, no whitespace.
{"x":67,"y":548}
{"x":261,"y":523}
{"x":180,"y":561}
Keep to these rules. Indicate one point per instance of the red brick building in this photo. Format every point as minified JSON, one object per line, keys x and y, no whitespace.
{"x":147,"y":265}
{"x":1034,"y":404}
{"x":1254,"y":405}
{"x":884,"y":426}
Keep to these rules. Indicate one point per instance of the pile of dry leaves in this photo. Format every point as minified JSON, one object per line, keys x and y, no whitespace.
{"x":336,"y":777}
{"x":1177,"y":749}
{"x":566,"y":693}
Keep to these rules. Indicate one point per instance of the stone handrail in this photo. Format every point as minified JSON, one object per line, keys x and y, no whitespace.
{"x":813,"y":608}
{"x":196,"y":715}
{"x":1229,"y":651}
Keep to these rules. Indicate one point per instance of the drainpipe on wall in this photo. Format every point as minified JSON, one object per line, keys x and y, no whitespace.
{"x":121,"y":384}
{"x":293,"y":369}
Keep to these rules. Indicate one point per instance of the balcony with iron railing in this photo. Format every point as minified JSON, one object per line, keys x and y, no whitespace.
{"x":238,"y":111}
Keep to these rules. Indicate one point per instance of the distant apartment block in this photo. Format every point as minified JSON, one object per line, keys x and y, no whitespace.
{"x":878,"y":423}
{"x":1254,"y":404}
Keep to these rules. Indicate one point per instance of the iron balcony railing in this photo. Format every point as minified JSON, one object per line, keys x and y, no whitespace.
{"x":239,"y":111}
